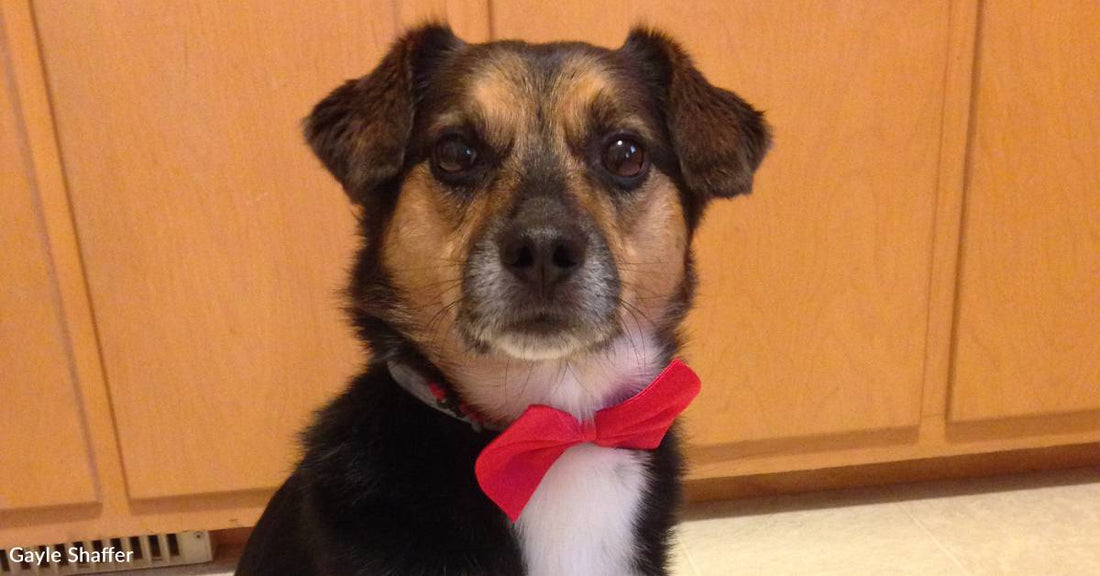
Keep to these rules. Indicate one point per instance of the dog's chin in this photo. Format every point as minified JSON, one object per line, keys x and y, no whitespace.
{"x":535,"y":347}
{"x":541,"y":340}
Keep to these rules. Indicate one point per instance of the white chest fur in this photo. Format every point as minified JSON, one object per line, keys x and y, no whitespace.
{"x":581,"y":519}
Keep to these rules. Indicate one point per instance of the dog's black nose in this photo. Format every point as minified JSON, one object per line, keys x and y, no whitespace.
{"x":543,"y":256}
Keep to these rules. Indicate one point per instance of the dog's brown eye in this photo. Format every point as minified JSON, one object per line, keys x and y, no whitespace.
{"x":624,"y":158}
{"x":454,"y":155}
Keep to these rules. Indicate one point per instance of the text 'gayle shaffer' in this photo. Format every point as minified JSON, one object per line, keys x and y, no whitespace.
{"x":74,"y":555}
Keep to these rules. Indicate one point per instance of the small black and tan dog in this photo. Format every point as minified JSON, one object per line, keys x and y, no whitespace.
{"x":527,"y":213}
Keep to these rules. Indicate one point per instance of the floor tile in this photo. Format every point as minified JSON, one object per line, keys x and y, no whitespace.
{"x":1044,"y":525}
{"x":850,"y":533}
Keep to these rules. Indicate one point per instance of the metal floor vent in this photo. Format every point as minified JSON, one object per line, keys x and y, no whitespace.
{"x":109,"y":554}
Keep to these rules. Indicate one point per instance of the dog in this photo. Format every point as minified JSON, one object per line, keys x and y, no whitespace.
{"x":526,"y":213}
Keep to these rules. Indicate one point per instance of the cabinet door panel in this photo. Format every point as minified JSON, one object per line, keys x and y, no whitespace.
{"x":44,"y":458}
{"x":811,"y":317}
{"x":215,"y":244}
{"x":1027,"y":341}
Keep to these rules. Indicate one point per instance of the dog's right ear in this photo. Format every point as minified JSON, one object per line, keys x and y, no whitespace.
{"x":361,"y":130}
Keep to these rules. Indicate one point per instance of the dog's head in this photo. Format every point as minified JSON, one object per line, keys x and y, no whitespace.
{"x":530,"y":201}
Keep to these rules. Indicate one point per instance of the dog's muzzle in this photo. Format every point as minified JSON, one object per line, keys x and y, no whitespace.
{"x":541,"y":280}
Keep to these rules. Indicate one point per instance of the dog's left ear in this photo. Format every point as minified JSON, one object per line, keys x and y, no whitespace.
{"x":361,"y":130}
{"x":719,"y":138}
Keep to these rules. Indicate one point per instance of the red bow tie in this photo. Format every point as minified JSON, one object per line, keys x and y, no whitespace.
{"x":511,"y":467}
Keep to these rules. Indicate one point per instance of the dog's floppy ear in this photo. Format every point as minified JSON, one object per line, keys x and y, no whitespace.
{"x":719,"y":138}
{"x":361,"y":130}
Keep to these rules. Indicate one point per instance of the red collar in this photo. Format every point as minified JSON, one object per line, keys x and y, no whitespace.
{"x":435,"y":395}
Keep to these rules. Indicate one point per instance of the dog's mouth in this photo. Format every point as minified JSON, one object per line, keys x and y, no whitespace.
{"x":541,"y":324}
{"x":536,"y":332}
{"x":544,"y":339}
{"x":500,"y":316}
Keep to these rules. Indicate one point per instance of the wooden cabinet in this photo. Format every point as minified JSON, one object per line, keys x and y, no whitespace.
{"x":915,"y":277}
{"x":213,"y":248}
{"x":1028,"y":341}
{"x":46,"y":461}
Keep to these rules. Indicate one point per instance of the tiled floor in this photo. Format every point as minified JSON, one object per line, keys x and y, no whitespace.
{"x":1036,"y":525}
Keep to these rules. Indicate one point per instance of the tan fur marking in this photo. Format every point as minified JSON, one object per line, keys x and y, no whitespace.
{"x":651,"y":263}
{"x":426,"y":244}
{"x":423,"y":253}
{"x":583,"y":82}
{"x":501,"y":97}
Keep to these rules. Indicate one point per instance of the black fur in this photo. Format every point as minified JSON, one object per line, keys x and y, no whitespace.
{"x":386,"y":485}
